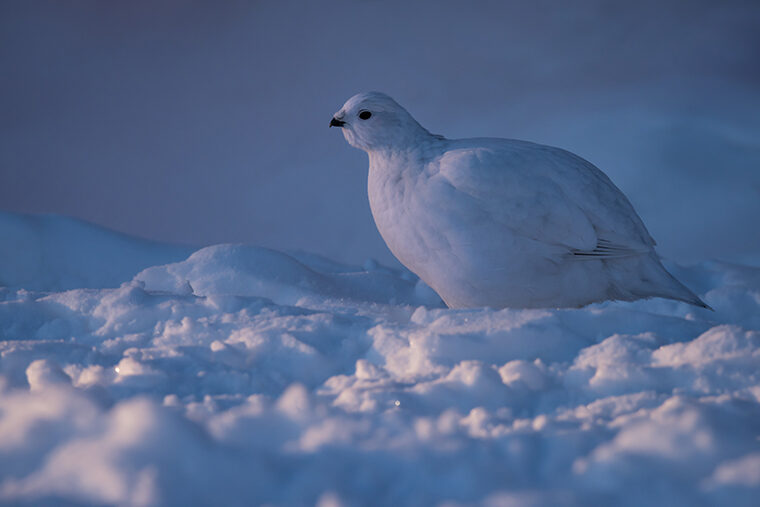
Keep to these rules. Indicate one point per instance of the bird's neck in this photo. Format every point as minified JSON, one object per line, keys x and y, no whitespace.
{"x":408,"y":157}
{"x":393,"y":175}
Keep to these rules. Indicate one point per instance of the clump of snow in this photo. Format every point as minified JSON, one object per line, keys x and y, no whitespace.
{"x":43,"y":373}
{"x":246,"y":376}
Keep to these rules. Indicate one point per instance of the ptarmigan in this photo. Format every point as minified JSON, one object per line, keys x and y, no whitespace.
{"x":500,"y":222}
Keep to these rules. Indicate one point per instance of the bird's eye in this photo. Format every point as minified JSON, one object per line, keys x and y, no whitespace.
{"x":364,"y":115}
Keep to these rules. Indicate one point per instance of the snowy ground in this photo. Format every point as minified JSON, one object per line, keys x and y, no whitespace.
{"x":243,"y":376}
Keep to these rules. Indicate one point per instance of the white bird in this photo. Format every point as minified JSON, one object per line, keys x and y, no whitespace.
{"x":500,"y":222}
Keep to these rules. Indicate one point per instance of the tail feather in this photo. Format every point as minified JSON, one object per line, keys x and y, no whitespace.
{"x":655,"y":281}
{"x":687,"y":296}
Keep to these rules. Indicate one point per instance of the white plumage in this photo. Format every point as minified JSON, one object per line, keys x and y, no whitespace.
{"x":500,"y":222}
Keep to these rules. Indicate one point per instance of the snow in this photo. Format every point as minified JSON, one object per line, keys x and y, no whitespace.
{"x":48,"y":252}
{"x":239,"y":375}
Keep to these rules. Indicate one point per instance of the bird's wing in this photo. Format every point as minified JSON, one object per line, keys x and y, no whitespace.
{"x":548,"y":195}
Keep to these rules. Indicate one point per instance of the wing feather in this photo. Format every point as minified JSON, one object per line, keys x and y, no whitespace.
{"x":546,"y":194}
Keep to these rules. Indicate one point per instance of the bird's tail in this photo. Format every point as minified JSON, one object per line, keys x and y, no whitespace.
{"x":655,"y":281}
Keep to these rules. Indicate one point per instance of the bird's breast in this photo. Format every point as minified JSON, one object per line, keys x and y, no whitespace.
{"x":395,"y":200}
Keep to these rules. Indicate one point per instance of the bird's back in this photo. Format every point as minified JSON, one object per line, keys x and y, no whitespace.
{"x":547,"y":178}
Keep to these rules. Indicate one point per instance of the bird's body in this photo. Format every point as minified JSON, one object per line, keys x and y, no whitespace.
{"x":502,"y":223}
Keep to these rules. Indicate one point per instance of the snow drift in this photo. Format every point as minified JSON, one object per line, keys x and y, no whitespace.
{"x":240,"y":376}
{"x":49,"y":252}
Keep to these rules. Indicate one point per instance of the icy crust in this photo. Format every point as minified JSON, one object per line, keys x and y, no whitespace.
{"x":243,"y":376}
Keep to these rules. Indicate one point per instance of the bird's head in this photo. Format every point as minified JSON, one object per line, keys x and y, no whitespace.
{"x":374,"y":121}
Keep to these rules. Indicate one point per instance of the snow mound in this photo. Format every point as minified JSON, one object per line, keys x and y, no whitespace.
{"x":245,"y":270}
{"x":51,"y":252}
{"x":245,"y":376}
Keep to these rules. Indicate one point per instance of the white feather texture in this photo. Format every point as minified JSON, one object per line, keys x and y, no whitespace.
{"x":500,"y":222}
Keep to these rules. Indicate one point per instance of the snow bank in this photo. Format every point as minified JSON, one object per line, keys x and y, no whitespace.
{"x":49,"y":252}
{"x":244,"y":376}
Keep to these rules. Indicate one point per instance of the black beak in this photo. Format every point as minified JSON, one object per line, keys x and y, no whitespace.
{"x":337,"y":123}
